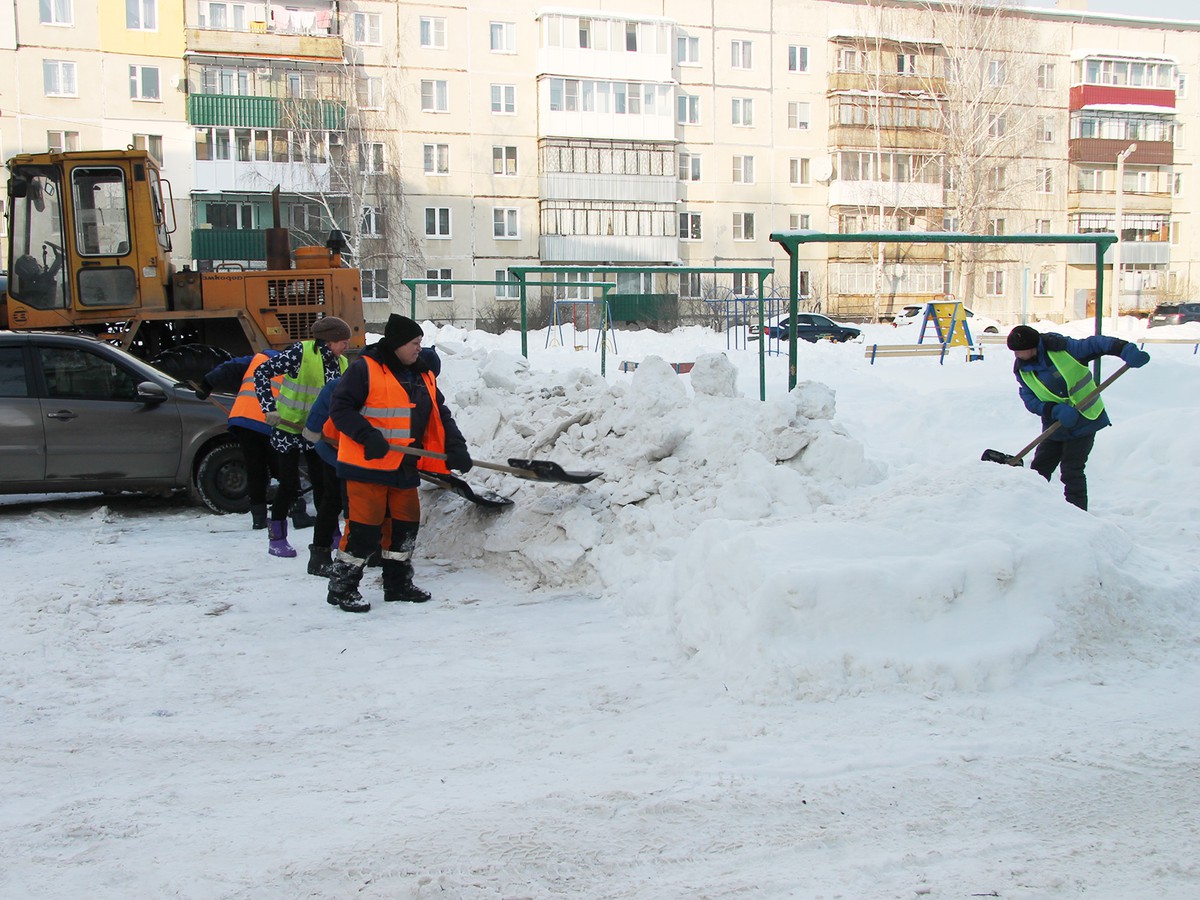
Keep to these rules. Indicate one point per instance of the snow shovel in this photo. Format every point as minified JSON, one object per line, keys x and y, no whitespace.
{"x":456,"y":485}
{"x":533,"y":469}
{"x":1018,"y":459}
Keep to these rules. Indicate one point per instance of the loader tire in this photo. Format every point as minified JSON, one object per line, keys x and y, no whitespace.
{"x":189,"y":362}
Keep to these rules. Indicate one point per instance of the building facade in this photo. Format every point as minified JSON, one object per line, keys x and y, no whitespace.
{"x":453,"y":140}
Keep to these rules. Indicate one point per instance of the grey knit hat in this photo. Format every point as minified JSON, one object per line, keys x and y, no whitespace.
{"x":331,"y":329}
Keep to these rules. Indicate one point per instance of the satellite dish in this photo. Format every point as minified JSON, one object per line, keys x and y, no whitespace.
{"x":822,"y":168}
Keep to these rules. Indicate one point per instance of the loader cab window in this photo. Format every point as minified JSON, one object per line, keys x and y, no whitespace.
{"x":101,"y":211}
{"x":37,"y":276}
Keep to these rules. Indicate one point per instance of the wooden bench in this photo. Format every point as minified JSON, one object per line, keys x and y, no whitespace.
{"x":877,"y":351}
{"x":984,"y":339}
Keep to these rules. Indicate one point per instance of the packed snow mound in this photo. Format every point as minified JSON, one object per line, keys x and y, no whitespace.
{"x":761,"y":535}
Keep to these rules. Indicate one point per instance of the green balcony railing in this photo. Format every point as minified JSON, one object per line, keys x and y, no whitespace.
{"x":266,"y":112}
{"x":224,"y":243}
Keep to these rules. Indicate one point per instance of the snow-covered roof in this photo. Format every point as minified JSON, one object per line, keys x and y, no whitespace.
{"x":850,"y":34}
{"x":1131,"y":57}
{"x":1131,"y":108}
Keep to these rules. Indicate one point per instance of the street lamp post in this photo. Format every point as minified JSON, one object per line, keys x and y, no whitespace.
{"x":1116,"y":250}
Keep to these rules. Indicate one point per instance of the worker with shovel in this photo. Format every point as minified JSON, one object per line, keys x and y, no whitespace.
{"x":1056,"y":384}
{"x":388,"y":401}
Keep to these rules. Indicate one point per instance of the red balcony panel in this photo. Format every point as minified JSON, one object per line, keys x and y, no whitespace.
{"x":1105,"y":150}
{"x":1088,"y":94}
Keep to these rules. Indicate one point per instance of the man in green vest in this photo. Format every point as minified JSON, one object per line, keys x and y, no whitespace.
{"x":1055,"y":383}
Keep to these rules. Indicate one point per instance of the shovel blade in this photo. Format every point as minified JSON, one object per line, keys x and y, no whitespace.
{"x":998,"y":456}
{"x":485,"y":498}
{"x":545,"y":470}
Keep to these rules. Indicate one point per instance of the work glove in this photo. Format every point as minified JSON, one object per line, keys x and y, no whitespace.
{"x":203,"y":389}
{"x":1135,"y":357}
{"x":459,"y":459}
{"x":273,"y":418}
{"x":1066,"y":414}
{"x":375,"y":445}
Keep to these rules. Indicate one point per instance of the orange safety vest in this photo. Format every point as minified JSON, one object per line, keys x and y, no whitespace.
{"x":246,"y":406}
{"x":389,"y":408}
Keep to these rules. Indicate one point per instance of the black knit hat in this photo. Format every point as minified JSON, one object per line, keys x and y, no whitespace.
{"x":1023,"y":337}
{"x":330,"y":329}
{"x":399,"y":331}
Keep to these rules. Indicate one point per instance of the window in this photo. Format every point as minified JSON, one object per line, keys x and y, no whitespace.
{"x":1180,"y":84}
{"x":435,"y":96}
{"x":141,"y":15}
{"x":798,"y":116}
{"x":585,"y":34}
{"x":997,"y":125}
{"x":799,"y":222}
{"x":56,"y":12}
{"x":58,"y":78}
{"x":437,"y":222}
{"x":906,"y":64}
{"x":1090,"y":180}
{"x":370,"y":92}
{"x":797,"y":58}
{"x":224,"y":16}
{"x":743,"y":226}
{"x":849,"y":60}
{"x":799,"y":171}
{"x":1176,"y":232}
{"x":689,"y":285}
{"x":503,"y":37}
{"x":505,"y":223}
{"x":507,"y":285}
{"x":433,"y":32}
{"x":370,"y":158}
{"x":689,"y":226}
{"x":689,"y":167}
{"x":1042,"y":283}
{"x":994,"y":282}
{"x":741,"y":53}
{"x":688,"y":109}
{"x":440,"y":291}
{"x":1044,"y":179}
{"x":437,"y":159}
{"x":143,"y":83}
{"x":1045,"y":130}
{"x":59,"y":141}
{"x":504,"y":99}
{"x":997,"y":72}
{"x":631,"y":37}
{"x":997,"y":178}
{"x":1041,"y":226}
{"x":687,"y":50}
{"x":743,"y":170}
{"x":743,"y":111}
{"x":1045,"y":76}
{"x":504,"y":160}
{"x":372,"y":222}
{"x":367,"y":28}
{"x":1176,"y":182}
{"x":995,"y":227}
{"x":151,"y":143}
{"x":374,"y":284}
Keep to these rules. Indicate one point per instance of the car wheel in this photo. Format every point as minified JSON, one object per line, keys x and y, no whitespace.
{"x":190,"y":362}
{"x":221,"y":482}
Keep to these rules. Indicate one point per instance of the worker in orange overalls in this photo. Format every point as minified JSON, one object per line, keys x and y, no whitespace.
{"x":388,"y":398}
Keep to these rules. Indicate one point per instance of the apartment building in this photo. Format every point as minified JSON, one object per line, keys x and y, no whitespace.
{"x":453,"y":140}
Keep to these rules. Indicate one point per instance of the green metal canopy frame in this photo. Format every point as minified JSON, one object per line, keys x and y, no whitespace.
{"x":791,"y":241}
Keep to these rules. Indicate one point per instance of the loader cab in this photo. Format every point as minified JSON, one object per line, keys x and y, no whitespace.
{"x":88,"y":235}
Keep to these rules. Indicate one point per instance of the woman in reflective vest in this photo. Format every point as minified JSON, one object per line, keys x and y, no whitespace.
{"x":387,"y":400}
{"x":1056,"y":384}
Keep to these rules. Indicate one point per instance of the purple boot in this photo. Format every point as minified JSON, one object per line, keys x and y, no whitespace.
{"x":277,"y":531}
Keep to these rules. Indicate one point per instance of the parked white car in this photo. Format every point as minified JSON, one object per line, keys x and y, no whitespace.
{"x":977,"y":324}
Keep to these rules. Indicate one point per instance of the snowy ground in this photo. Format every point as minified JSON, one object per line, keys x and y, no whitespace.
{"x":811,"y":648}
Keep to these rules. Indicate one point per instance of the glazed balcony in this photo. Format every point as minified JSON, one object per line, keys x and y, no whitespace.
{"x":1105,"y":151}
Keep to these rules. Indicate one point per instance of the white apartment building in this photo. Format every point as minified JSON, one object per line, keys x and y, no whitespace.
{"x":454,"y":140}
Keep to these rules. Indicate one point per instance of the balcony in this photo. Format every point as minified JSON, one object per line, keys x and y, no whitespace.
{"x":618,"y":188}
{"x":555,"y":248}
{"x":226,"y":243}
{"x":1083,"y":95}
{"x":264,"y":44}
{"x":914,"y":138}
{"x":1105,"y":150}
{"x":266,"y":112}
{"x":888,"y":83}
{"x":912,"y":254}
{"x":1132,"y":252}
{"x":894,"y":194}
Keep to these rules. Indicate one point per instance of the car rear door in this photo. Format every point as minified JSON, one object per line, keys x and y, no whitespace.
{"x":22,"y":429}
{"x":96,"y":428}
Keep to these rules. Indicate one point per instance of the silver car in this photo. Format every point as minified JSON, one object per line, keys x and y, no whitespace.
{"x":78,"y":414}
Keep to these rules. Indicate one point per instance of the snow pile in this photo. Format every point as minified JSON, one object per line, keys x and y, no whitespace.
{"x":780,"y":557}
